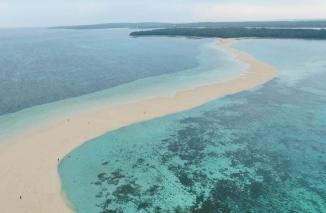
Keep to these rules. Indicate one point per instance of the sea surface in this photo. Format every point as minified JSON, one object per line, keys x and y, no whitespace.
{"x":46,"y":73}
{"x":261,"y":150}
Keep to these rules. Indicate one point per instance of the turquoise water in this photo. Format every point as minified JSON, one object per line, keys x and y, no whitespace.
{"x":297,"y":59}
{"x":46,"y":73}
{"x":261,"y":150}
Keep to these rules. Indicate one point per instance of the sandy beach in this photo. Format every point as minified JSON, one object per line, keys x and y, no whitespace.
{"x":29,"y":161}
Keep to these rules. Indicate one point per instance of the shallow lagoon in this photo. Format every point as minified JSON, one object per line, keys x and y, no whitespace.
{"x":261,"y":150}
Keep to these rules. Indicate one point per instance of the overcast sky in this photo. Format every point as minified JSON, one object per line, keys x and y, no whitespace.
{"x":26,"y":13}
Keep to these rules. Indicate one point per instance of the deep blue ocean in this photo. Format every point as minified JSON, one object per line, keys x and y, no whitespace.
{"x":40,"y":65}
{"x":261,"y":150}
{"x":48,"y":73}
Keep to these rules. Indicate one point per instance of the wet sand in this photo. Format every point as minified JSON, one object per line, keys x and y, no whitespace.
{"x":29,"y":161}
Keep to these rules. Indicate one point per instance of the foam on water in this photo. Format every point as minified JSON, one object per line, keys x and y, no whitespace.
{"x":261,"y":150}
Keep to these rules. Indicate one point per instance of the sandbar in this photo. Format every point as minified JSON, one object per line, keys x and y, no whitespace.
{"x":29,"y":161}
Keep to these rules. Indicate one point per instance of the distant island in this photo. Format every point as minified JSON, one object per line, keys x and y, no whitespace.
{"x":145,"y":25}
{"x":236,"y":33}
{"x":256,"y":29}
{"x":252,"y":24}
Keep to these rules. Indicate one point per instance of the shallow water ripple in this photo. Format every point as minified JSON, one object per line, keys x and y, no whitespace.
{"x":258,"y":151}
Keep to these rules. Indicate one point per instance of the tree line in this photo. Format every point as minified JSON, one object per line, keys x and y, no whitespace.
{"x":236,"y":33}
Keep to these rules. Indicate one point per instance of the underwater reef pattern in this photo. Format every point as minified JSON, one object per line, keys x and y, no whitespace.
{"x":262,"y":150}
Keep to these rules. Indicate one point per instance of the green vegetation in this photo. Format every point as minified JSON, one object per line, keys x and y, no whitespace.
{"x":236,"y":33}
{"x":269,"y":29}
{"x":259,"y":24}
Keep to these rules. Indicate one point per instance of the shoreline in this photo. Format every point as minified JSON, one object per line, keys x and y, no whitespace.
{"x":29,"y":161}
{"x":208,"y":60}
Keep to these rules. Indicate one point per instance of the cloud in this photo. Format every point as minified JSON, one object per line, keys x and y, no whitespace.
{"x":241,"y":12}
{"x":15,"y":13}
